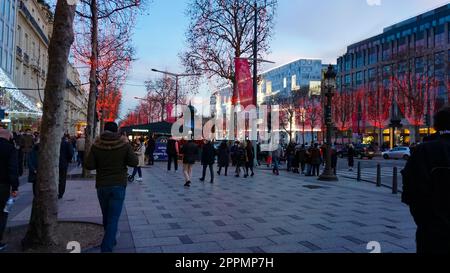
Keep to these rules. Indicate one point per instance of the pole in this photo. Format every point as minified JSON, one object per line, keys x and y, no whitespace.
{"x":395,"y":181}
{"x":176,"y":98}
{"x":378,"y":175}
{"x":255,"y":78}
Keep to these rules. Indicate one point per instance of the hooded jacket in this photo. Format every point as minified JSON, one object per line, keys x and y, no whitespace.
{"x":110,"y":155}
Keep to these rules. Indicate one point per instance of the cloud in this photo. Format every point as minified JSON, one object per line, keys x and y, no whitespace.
{"x":374,"y":2}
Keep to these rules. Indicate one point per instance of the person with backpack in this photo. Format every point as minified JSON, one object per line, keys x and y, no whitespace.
{"x":426,"y":188}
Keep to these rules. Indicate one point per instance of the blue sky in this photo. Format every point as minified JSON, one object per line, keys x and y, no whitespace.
{"x":304,"y":28}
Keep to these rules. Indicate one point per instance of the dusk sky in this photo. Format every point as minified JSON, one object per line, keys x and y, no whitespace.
{"x":303,"y":29}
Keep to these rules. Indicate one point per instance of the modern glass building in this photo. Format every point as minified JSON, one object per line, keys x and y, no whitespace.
{"x":7,"y":27}
{"x":419,"y":46}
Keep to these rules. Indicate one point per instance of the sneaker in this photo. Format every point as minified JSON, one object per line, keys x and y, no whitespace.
{"x":139,"y":179}
{"x":202,"y":179}
{"x":188,"y":184}
{"x":3,"y":246}
{"x":253,"y":174}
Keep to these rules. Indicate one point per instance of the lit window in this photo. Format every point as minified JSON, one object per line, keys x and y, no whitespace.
{"x":285,"y":83}
{"x":294,"y":82}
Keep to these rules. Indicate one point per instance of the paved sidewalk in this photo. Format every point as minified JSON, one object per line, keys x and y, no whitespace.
{"x":266,"y":213}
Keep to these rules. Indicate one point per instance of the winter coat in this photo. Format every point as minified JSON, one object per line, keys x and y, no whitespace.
{"x":26,"y":143}
{"x":172,"y":147}
{"x":140,"y":150}
{"x":110,"y":155}
{"x":81,"y":142}
{"x":224,"y":156}
{"x":316,"y":158}
{"x":208,"y":154}
{"x":151,"y":145}
{"x":9,"y":169}
{"x":65,"y":154}
{"x":190,"y":152}
{"x":241,"y":157}
{"x":426,"y":191}
{"x":33,"y":164}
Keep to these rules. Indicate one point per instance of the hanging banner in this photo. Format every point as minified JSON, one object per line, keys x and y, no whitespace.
{"x":244,"y":82}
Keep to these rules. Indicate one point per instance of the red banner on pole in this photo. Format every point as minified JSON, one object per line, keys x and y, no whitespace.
{"x":244,"y":82}
{"x":170,"y":114}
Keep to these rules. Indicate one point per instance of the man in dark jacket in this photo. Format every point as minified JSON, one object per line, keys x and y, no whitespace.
{"x":110,"y":155}
{"x":172,"y":153}
{"x":189,"y":152}
{"x":208,"y":159}
{"x":426,"y":189}
{"x":65,"y":157}
{"x":9,"y":181}
{"x":150,"y":150}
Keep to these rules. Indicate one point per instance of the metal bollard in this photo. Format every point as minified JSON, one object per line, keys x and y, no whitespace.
{"x":358,"y":177}
{"x":395,"y":181}
{"x":378,"y":175}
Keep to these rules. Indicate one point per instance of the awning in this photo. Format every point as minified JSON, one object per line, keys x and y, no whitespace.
{"x":13,"y":100}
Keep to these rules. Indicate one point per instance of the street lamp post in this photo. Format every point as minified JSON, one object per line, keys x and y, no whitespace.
{"x":177,"y":76}
{"x":330,"y":83}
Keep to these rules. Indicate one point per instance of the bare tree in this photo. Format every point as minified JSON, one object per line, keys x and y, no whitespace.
{"x":221,"y":31}
{"x":117,"y":12}
{"x":44,"y":214}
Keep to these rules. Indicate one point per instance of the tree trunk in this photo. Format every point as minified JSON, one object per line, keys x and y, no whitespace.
{"x":44,"y":214}
{"x":92,"y":103}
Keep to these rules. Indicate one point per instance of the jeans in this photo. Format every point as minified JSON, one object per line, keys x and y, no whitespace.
{"x":80,"y":158}
{"x":62,"y":182}
{"x":173,"y":158}
{"x":111,"y":202}
{"x":315,"y":169}
{"x":137,"y":170}
{"x":5,"y":191}
{"x":211,"y":171}
{"x":276,"y":163}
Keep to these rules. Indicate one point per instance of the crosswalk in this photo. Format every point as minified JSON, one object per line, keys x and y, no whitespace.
{"x":370,"y":175}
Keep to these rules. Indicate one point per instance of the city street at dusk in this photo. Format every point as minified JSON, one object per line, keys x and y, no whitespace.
{"x":260,"y":130}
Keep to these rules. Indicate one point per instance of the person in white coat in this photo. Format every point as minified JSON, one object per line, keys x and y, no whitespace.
{"x":140,"y":152}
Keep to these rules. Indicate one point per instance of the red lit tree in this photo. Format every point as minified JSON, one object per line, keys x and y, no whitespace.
{"x":343,"y":107}
{"x":416,"y":95}
{"x":314,"y":113}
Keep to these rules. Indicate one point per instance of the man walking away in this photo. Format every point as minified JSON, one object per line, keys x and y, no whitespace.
{"x":150,"y":150}
{"x":189,"y":151}
{"x":208,"y":159}
{"x":426,"y":189}
{"x":233,"y":153}
{"x":81,"y":142}
{"x":316,"y":160}
{"x":241,"y":159}
{"x":172,"y":153}
{"x":110,"y":155}
{"x":250,"y":156}
{"x":224,"y":157}
{"x":26,"y":144}
{"x":9,"y":180}
{"x":301,"y":157}
{"x":276,"y":155}
{"x":65,"y":157}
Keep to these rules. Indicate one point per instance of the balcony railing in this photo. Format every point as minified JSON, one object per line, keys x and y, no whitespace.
{"x":19,"y":53}
{"x":26,"y":58}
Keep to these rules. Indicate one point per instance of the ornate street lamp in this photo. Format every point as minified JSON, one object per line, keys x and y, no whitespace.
{"x":329,"y":85}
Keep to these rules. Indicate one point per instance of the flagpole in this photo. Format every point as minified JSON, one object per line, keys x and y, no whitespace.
{"x":255,"y":80}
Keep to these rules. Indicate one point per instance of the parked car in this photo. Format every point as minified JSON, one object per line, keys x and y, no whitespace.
{"x":397,"y":153}
{"x":361,"y":151}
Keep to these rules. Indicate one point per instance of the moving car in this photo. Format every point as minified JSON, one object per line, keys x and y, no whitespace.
{"x":397,"y":153}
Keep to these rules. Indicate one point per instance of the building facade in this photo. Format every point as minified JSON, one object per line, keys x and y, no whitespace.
{"x":418,"y":48}
{"x":76,"y":101}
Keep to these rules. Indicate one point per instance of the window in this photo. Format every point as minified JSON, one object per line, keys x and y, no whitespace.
{"x":294,"y":82}
{"x":285,"y":83}
{"x":359,"y":78}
